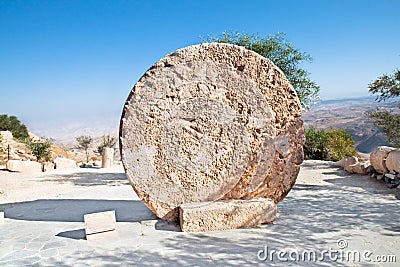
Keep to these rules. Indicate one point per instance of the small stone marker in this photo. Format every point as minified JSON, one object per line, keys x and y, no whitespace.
{"x":226,"y":214}
{"x":1,"y":217}
{"x":99,"y":223}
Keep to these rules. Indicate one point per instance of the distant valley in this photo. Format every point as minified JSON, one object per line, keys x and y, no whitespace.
{"x":349,"y":114}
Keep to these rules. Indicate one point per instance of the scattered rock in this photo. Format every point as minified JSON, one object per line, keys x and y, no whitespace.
{"x":346,"y":162}
{"x":390,"y":176}
{"x":97,"y":163}
{"x":21,"y":151}
{"x":14,"y":157}
{"x":86,"y":165}
{"x":6,"y":136}
{"x":359,"y":168}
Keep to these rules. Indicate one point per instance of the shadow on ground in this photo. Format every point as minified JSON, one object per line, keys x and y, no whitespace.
{"x":72,"y":210}
{"x":89,"y":178}
{"x":312,"y":217}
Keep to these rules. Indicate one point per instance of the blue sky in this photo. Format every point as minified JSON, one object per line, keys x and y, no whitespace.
{"x":69,"y":60}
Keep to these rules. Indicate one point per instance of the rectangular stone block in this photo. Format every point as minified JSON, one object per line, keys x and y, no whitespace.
{"x":99,"y":222}
{"x":64,"y":163}
{"x":226,"y":214}
{"x":23,"y":166}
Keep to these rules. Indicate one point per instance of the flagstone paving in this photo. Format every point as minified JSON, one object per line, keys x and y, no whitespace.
{"x":326,"y":210}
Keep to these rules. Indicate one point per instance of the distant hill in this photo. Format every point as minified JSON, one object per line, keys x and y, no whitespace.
{"x":349,"y":114}
{"x":65,"y":132}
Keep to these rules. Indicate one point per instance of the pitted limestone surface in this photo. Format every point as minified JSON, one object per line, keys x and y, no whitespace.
{"x":208,"y":122}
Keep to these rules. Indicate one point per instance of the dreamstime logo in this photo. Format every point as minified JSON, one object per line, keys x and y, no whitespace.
{"x":340,"y":254}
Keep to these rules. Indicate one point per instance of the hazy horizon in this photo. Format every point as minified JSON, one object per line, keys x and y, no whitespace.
{"x":75,"y":62}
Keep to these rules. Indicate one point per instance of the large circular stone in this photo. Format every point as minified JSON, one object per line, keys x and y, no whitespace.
{"x":208,"y":122}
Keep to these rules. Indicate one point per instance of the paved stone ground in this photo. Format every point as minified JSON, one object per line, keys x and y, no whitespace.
{"x":326,"y":205}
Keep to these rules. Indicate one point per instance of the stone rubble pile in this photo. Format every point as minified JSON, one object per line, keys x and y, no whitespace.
{"x":384,"y":164}
{"x":12,"y":149}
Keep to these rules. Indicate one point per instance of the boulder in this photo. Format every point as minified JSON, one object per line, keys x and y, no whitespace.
{"x":14,"y":157}
{"x":226,"y":214}
{"x":23,"y":166}
{"x":21,"y":151}
{"x":393,"y":161}
{"x":346,"y":162}
{"x":391,"y":176}
{"x":210,"y":122}
{"x":64,"y":163}
{"x":378,"y":158}
{"x":358,"y":168}
{"x":6,"y":136}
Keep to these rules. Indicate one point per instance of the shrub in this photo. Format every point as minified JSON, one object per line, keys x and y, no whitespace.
{"x":315,"y":146}
{"x":40,"y":148}
{"x":386,"y":87}
{"x":328,"y":144}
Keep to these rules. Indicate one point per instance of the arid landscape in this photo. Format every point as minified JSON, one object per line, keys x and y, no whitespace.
{"x":349,"y":114}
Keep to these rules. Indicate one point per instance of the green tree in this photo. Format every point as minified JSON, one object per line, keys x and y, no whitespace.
{"x":12,"y":124}
{"x":328,"y":144}
{"x":84,"y":142}
{"x":107,"y":141}
{"x":40,"y":148}
{"x":386,"y":87}
{"x":284,"y":55}
{"x":315,"y":146}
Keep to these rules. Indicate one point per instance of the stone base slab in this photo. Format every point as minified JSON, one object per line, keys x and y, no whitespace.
{"x":226,"y":214}
{"x":110,"y":235}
